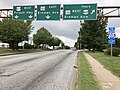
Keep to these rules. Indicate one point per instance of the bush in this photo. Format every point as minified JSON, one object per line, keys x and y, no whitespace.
{"x":107,"y":52}
{"x":28,"y":46}
{"x":115,"y":51}
{"x":67,"y":47}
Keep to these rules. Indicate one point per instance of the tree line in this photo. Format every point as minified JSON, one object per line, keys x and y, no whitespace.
{"x":93,"y":35}
{"x":15,"y":31}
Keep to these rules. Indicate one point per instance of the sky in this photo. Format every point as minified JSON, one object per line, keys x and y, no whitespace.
{"x":67,"y":31}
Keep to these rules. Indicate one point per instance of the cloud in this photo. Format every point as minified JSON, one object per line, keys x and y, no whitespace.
{"x":118,"y":32}
{"x":67,"y":41}
{"x":61,"y":28}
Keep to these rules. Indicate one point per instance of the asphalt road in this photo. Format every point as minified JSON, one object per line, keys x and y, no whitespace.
{"x":49,"y":70}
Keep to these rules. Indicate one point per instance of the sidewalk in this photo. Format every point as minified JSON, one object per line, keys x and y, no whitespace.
{"x":107,"y":80}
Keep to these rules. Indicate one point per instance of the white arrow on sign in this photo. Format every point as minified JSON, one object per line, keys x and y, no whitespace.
{"x":30,"y":16}
{"x":47,"y":17}
{"x":16,"y":16}
{"x":92,"y":11}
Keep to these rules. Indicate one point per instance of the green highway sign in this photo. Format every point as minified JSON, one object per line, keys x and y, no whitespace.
{"x":23,"y":12}
{"x":80,"y":12}
{"x":48,"y":12}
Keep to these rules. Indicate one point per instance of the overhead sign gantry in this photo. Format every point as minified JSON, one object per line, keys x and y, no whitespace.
{"x":106,"y":11}
{"x":52,"y":12}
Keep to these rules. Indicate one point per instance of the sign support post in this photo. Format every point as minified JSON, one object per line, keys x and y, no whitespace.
{"x":111,"y":40}
{"x":111,"y":52}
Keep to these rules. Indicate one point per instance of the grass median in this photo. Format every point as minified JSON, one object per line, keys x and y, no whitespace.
{"x":86,"y":78}
{"x":7,"y":51}
{"x":112,"y":65}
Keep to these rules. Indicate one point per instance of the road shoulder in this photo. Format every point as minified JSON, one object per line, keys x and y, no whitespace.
{"x":107,"y":80}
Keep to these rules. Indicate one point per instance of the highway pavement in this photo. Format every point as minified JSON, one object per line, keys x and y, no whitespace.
{"x":47,"y":70}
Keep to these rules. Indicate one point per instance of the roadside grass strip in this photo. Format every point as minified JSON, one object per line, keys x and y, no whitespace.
{"x":6,"y":50}
{"x":86,"y":78}
{"x":112,"y":65}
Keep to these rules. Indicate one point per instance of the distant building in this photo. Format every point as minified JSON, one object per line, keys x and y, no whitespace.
{"x":4,"y":45}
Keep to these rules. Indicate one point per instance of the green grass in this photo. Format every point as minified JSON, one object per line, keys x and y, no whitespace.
{"x":112,"y":65}
{"x":5,"y":50}
{"x":86,"y":78}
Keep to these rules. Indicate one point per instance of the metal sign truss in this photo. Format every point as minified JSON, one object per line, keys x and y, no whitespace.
{"x":108,"y":11}
{"x":6,"y":13}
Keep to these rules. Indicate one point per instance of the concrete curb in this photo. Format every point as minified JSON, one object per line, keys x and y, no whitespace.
{"x":73,"y":83}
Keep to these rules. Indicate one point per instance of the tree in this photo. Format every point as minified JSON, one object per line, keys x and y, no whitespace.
{"x":76,"y":45}
{"x":92,"y":34}
{"x":13,"y":32}
{"x":42,"y":37}
{"x":117,"y":44}
{"x":62,"y":45}
{"x":67,"y":47}
{"x":55,"y":42}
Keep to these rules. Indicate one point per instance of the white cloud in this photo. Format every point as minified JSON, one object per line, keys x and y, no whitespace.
{"x":118,"y":32}
{"x":61,"y":28}
{"x":67,"y":41}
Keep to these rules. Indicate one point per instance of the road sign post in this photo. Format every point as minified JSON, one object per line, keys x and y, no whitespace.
{"x":23,"y":12}
{"x":48,"y":12}
{"x":80,"y":12}
{"x":111,"y":36}
{"x":111,"y":51}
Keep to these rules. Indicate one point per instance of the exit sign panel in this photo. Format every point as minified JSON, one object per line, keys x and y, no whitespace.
{"x":23,"y":12}
{"x":80,"y":12}
{"x":48,"y":12}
